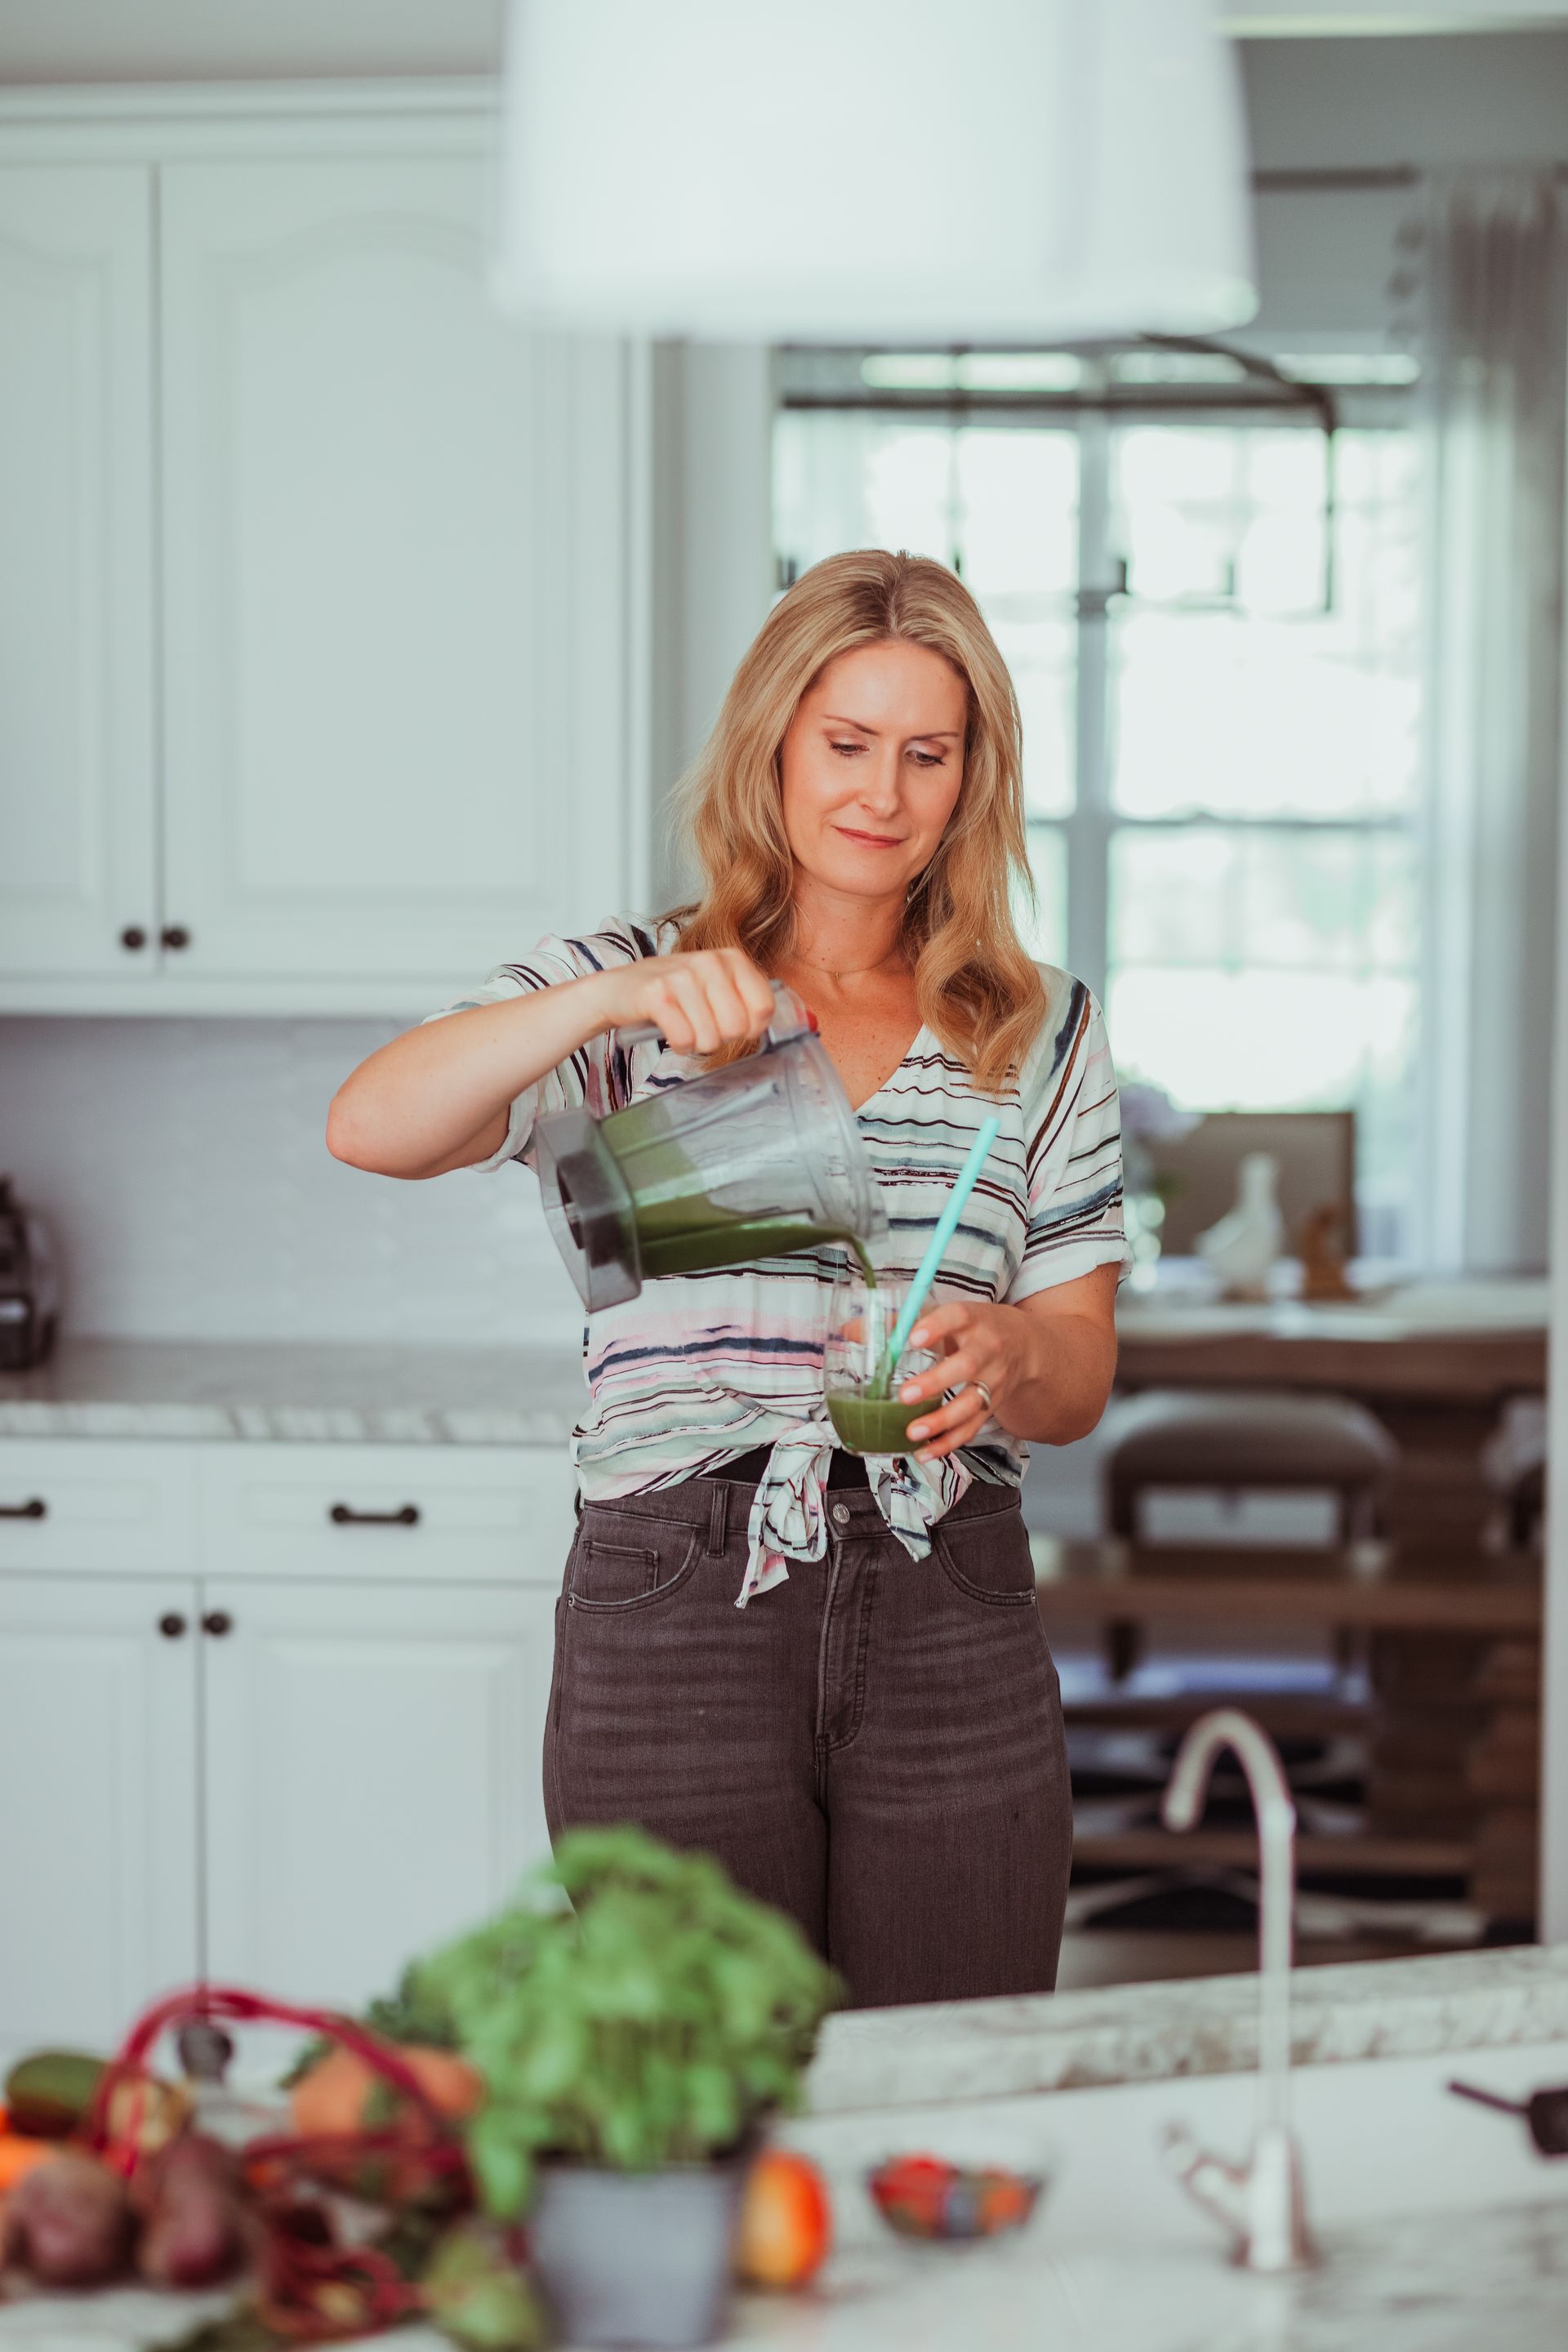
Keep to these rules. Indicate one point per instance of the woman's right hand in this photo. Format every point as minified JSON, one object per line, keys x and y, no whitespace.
{"x":696,"y":1002}
{"x":440,"y":1096}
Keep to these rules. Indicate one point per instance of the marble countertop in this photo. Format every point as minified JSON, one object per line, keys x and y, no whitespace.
{"x":1435,"y":2282}
{"x":405,"y":1395}
{"x":1410,"y":1310}
{"x":1196,"y":2025}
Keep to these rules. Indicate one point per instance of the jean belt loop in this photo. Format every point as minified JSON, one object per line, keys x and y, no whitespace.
{"x":577,"y":1502}
{"x":718,"y":1514}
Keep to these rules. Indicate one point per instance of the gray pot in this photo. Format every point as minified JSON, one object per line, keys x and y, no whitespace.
{"x":636,"y":2258}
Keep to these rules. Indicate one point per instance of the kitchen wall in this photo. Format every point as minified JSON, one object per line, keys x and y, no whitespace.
{"x":183,"y":1168}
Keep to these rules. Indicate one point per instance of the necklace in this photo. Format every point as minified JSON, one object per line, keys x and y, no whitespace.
{"x":854,"y":971}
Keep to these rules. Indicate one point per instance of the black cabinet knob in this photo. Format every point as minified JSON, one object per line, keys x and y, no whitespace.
{"x":34,"y":1507}
{"x":133,"y":936}
{"x":175,"y":935}
{"x":171,"y":1626}
{"x":217,"y":1621}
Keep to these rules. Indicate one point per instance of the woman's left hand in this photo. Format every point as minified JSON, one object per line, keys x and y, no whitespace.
{"x":977,"y":1342}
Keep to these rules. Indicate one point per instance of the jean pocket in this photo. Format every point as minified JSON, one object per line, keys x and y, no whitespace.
{"x":620,"y":1561}
{"x":987,"y":1558}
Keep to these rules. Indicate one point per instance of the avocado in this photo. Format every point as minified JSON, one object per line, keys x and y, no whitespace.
{"x":47,"y":2094}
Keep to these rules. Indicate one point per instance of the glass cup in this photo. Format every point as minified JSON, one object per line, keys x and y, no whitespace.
{"x":863,"y":1406}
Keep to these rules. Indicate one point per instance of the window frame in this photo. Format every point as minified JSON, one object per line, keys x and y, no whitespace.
{"x":1089,"y":829}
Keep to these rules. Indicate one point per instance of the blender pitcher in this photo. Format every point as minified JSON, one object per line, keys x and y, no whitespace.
{"x":755,"y":1160}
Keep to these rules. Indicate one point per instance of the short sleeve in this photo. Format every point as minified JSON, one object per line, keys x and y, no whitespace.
{"x":593,"y":1077}
{"x":1072,"y":1131}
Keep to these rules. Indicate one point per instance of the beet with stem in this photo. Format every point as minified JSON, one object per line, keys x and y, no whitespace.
{"x":191,"y":2205}
{"x":67,"y":2223}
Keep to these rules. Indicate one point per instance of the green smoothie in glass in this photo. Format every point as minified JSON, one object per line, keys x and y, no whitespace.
{"x":860,"y":1388}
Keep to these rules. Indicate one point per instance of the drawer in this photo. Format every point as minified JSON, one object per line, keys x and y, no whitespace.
{"x":96,"y":1506}
{"x":495,"y":1513}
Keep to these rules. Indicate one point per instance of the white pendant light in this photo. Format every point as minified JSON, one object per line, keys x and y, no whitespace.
{"x":863,"y":170}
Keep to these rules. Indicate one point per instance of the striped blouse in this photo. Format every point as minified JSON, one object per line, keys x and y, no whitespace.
{"x":704,"y":1367}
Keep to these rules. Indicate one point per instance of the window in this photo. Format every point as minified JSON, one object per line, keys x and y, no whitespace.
{"x":1213,"y":626}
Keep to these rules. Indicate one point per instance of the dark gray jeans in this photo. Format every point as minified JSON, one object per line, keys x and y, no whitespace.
{"x":875,"y":1746}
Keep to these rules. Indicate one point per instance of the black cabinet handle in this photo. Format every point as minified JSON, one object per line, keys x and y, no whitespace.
{"x":34,"y":1508}
{"x":133,"y":936}
{"x":341,"y":1516}
{"x":217,"y":1621}
{"x":171,"y":1626}
{"x":175,"y":935}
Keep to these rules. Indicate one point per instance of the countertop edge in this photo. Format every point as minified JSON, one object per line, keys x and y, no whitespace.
{"x":1151,"y":2032}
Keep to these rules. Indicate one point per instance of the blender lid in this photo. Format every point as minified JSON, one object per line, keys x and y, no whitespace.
{"x":588,"y":1208}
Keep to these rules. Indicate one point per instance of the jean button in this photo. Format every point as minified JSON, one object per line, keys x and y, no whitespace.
{"x":840,"y":1515}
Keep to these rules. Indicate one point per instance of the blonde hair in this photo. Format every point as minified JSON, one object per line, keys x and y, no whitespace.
{"x":978,"y":991}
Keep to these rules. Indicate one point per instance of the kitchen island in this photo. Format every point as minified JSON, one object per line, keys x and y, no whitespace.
{"x":1438,"y":2228}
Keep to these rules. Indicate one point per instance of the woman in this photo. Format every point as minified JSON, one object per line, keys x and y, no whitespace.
{"x":873,"y":1740}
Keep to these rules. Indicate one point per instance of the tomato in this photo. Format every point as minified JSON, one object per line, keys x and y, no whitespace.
{"x":786,"y":2222}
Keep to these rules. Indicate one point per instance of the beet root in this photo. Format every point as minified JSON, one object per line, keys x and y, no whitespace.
{"x":193,"y":2213}
{"x":68,"y":2223}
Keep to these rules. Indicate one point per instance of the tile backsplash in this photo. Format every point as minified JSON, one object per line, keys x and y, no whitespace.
{"x":181,"y":1167}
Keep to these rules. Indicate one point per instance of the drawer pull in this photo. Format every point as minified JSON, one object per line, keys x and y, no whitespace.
{"x":171,"y":1626}
{"x":217,"y":1621}
{"x":34,"y":1508}
{"x":341,"y":1516}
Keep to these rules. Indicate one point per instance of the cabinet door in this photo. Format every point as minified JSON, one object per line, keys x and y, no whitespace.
{"x":97,"y":1826}
{"x":394,"y":582}
{"x":76,"y":829}
{"x":372,"y":1773}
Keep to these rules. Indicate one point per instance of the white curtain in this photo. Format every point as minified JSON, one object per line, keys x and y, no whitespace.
{"x":1494,"y":337}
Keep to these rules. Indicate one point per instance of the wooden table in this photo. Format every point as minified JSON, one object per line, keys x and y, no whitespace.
{"x":1435,"y":1362}
{"x":1475,"y":1343}
{"x":1453,"y":1727}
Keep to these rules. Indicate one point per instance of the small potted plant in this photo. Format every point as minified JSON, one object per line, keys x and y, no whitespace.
{"x":635,"y":2019}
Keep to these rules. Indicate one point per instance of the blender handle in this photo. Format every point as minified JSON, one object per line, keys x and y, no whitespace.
{"x":791,"y":1019}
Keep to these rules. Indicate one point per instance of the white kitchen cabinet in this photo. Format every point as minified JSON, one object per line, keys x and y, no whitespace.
{"x":299,"y":1775}
{"x":388,"y":1514}
{"x":371,"y":1773}
{"x":78,"y":867}
{"x":319,"y":630}
{"x":99,"y":1862}
{"x":117,"y":1507}
{"x":389,"y":516}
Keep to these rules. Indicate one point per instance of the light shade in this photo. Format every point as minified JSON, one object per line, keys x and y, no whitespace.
{"x":863,"y":170}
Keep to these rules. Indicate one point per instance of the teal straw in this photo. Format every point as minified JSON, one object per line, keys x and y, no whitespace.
{"x":925,"y":1274}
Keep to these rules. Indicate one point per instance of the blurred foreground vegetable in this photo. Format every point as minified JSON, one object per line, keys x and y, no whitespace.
{"x":636,"y":2009}
{"x":921,"y":2197}
{"x":474,"y":2289}
{"x":190,"y":2198}
{"x":49,"y":2094}
{"x":67,"y":2223}
{"x":322,"y":2270}
{"x":19,"y":2155}
{"x":341,"y":2094}
{"x":786,"y":2222}
{"x":633,"y":2012}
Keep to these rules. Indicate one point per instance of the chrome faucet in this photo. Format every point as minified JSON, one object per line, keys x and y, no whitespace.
{"x":1262,"y":2201}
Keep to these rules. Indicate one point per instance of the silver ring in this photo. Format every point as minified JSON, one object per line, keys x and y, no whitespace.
{"x":985,"y":1394}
